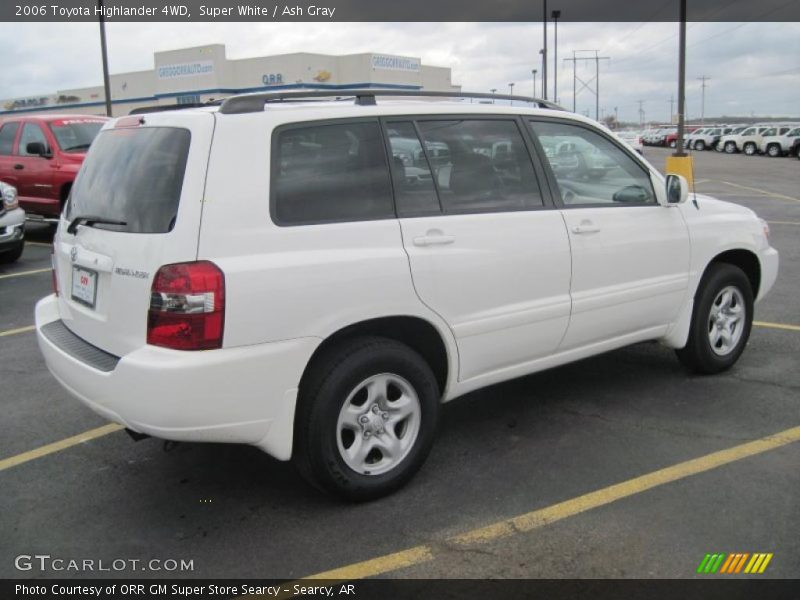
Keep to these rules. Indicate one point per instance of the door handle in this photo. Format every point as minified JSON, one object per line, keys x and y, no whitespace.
{"x":434,"y":238}
{"x":19,"y":167}
{"x":585,"y":227}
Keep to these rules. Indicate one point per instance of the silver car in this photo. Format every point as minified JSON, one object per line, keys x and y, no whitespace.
{"x":12,"y":224}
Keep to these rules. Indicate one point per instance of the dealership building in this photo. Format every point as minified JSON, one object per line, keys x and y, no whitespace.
{"x":203,"y":73}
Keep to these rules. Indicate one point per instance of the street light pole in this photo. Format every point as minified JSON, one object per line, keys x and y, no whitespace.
{"x":511,"y":91}
{"x":544,"y":50}
{"x":534,"y":71}
{"x":556,"y":16}
{"x":681,"y":81}
{"x":104,"y":52}
{"x":493,"y":90}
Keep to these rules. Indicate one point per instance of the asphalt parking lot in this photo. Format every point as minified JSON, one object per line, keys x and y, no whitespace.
{"x":622,"y":465}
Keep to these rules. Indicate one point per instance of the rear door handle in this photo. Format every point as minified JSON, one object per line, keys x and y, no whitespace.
{"x":19,"y":167}
{"x":434,"y":238}
{"x":585,"y":228}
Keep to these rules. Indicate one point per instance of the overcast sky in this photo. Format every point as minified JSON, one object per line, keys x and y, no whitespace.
{"x":754,"y":67}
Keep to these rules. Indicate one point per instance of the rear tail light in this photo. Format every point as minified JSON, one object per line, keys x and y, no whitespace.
{"x":187,"y":307}
{"x":53,"y":270}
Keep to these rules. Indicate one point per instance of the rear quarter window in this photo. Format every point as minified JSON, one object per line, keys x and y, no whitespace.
{"x":330,"y":172}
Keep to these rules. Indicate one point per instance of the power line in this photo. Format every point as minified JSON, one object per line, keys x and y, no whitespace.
{"x":585,"y":84}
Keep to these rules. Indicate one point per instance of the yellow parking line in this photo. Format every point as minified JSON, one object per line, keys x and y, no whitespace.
{"x":769,"y":325}
{"x":18,"y":330}
{"x":551,"y":514}
{"x":22,"y":273}
{"x":27,"y":243}
{"x":58,"y":446}
{"x":760,"y":191}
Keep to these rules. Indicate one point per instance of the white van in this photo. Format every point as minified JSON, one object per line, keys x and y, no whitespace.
{"x":316,"y":277}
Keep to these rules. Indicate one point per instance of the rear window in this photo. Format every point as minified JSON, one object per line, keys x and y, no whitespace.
{"x":330,"y":173}
{"x":75,"y":135}
{"x":135,"y":176}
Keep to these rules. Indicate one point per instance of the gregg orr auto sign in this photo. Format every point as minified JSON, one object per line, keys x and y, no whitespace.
{"x":395,"y":63}
{"x":190,"y":69}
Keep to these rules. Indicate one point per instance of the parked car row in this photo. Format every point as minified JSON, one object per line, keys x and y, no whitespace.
{"x":772,"y":139}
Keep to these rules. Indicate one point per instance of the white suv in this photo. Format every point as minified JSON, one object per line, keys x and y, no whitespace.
{"x":268,"y":273}
{"x":779,"y":144}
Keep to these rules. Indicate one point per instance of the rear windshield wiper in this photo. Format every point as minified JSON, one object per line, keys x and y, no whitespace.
{"x":90,"y":220}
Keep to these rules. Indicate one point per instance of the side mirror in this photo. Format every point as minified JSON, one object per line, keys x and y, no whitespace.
{"x":677,"y":189}
{"x":37,"y":149}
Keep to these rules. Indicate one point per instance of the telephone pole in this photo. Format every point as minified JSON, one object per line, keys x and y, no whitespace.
{"x":671,"y":104}
{"x":703,"y":101}
{"x":585,"y":84}
{"x":641,"y":113}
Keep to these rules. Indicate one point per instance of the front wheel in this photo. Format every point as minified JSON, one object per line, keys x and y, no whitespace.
{"x":367,"y":417}
{"x":13,"y":255}
{"x":721,"y":320}
{"x":750,"y":149}
{"x":774,"y":150}
{"x":730,"y":147}
{"x":700,"y":145}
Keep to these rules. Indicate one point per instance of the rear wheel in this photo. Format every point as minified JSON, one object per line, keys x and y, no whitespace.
{"x":700,"y":145}
{"x":774,"y":150}
{"x":721,"y":320}
{"x":366,"y":420}
{"x":750,"y":149}
{"x":730,"y":147}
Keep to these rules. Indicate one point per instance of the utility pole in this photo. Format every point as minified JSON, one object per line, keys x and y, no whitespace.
{"x":585,"y":84}
{"x":104,"y":52}
{"x":681,"y":80}
{"x":556,"y":15}
{"x":493,"y":90}
{"x":534,"y":71}
{"x":511,"y":91}
{"x":671,"y":104}
{"x":703,"y":101}
{"x":544,"y":50}
{"x":641,"y":113}
{"x":616,"y":117}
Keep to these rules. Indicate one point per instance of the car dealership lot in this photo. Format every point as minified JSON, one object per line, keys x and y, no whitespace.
{"x":506,"y":451}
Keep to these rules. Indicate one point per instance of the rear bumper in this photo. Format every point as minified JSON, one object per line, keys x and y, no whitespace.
{"x":235,"y":395}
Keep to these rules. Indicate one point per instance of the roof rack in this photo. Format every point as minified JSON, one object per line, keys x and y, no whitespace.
{"x":247,"y":103}
{"x":143,"y":110}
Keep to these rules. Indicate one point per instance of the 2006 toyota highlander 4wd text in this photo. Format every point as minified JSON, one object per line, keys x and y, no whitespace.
{"x":316,"y":277}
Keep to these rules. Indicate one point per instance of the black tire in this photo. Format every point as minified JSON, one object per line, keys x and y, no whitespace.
{"x":698,"y":355}
{"x":700,"y":145}
{"x":11,"y":256}
{"x":750,"y":149}
{"x":774,"y":150}
{"x":730,"y":147}
{"x":333,"y":376}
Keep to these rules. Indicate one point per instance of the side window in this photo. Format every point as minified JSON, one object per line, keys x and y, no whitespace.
{"x":591,"y":169}
{"x":7,"y":133}
{"x":772,"y":131}
{"x":415,"y":193}
{"x":330,"y":173}
{"x":480,"y":165}
{"x":31,"y":132}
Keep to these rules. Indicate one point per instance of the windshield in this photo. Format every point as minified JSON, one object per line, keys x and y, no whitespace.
{"x":134,"y":176}
{"x":75,"y":135}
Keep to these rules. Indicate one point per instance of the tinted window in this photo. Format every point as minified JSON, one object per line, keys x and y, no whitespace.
{"x":591,"y":169}
{"x":329,"y":173}
{"x":7,"y":134}
{"x":75,"y":135}
{"x":480,"y":165}
{"x":31,"y":132}
{"x":415,"y":193}
{"x":133,"y":175}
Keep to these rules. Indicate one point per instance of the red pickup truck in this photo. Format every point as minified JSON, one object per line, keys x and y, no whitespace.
{"x":40,"y":156}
